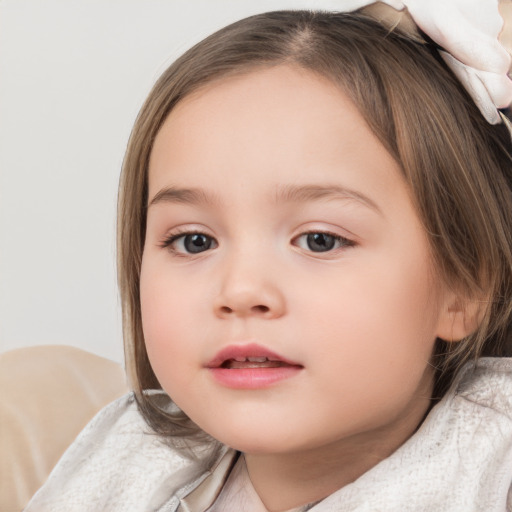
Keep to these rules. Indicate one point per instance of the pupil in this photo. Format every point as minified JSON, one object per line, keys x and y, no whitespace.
{"x":197,"y":243}
{"x":320,"y":242}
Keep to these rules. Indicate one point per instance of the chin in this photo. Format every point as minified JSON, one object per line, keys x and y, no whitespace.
{"x":264,"y":442}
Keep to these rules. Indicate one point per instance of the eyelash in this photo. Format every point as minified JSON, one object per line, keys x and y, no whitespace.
{"x":167,"y":243}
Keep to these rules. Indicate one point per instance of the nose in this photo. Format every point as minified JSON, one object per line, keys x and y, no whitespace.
{"x":248,"y":291}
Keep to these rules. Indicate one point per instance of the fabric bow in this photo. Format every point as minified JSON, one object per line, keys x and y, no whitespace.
{"x":467,"y":30}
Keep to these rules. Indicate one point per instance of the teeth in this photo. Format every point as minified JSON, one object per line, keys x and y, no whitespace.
{"x":250,"y":359}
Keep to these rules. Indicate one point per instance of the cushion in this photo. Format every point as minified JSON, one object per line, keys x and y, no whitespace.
{"x":48,"y":394}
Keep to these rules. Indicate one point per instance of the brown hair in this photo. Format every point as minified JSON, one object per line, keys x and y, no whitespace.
{"x":457,"y":166}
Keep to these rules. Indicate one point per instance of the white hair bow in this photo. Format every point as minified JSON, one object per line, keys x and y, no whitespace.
{"x":467,"y":30}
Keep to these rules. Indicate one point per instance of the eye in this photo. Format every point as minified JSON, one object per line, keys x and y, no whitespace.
{"x":190,"y":243}
{"x":322,"y":242}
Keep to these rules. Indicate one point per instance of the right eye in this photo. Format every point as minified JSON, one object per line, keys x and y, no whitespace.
{"x":190,"y":243}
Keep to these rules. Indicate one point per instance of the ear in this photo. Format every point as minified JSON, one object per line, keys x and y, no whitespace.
{"x":460,"y":317}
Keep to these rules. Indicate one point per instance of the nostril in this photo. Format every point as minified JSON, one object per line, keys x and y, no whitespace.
{"x":261,"y":309}
{"x":226,"y":310}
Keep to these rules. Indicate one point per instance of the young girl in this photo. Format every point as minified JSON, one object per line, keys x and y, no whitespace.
{"x":315,"y":239}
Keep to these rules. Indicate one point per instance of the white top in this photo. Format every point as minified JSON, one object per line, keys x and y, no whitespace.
{"x":459,"y":460}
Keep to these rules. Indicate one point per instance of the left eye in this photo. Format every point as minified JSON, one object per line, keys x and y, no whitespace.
{"x":190,"y":243}
{"x":321,"y":242}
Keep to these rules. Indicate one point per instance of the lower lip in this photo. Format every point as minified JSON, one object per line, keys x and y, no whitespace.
{"x":253,"y":378}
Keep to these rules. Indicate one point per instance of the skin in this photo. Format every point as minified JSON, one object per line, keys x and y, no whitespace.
{"x":360,"y":319}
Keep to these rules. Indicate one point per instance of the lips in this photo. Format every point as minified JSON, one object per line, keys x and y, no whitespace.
{"x":249,"y":356}
{"x":251,"y":367}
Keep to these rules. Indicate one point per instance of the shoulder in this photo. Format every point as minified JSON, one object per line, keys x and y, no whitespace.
{"x":116,"y":463}
{"x":487,"y":383}
{"x":459,"y":459}
{"x":482,"y":401}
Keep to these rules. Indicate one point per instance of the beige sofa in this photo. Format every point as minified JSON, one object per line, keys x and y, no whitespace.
{"x":48,"y":394}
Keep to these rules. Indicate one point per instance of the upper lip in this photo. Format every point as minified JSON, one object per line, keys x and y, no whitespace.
{"x":246,"y":351}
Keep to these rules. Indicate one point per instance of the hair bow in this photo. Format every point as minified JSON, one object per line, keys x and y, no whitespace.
{"x":467,"y":31}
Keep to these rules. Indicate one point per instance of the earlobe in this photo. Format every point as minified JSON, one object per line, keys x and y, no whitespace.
{"x":460,"y":318}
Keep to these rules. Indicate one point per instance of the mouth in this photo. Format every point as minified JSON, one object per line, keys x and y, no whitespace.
{"x":249,"y":356}
{"x":251,"y":367}
{"x":253,"y":362}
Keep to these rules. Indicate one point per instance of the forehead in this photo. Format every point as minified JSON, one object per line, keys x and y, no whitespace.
{"x":278,"y":124}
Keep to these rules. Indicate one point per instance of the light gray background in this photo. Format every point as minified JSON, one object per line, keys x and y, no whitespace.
{"x":73,"y":74}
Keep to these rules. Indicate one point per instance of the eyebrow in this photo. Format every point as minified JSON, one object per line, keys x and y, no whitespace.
{"x":183,"y":195}
{"x":303,"y":193}
{"x":284,"y":194}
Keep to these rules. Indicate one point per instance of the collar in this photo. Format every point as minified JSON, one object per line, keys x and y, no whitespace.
{"x":202,"y":493}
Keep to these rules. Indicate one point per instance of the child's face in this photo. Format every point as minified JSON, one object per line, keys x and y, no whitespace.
{"x":304,"y":242}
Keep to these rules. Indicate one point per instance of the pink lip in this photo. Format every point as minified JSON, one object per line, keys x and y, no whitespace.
{"x":251,"y":378}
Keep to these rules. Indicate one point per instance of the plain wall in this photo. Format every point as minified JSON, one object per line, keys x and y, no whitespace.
{"x":73,"y":75}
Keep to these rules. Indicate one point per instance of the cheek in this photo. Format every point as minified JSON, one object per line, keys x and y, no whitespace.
{"x":377,"y":303}
{"x":376,"y":324}
{"x":167,"y":324}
